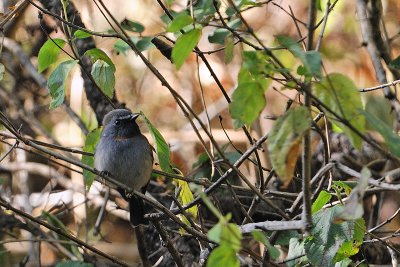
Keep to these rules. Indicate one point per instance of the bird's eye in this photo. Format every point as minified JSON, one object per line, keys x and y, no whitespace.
{"x":116,"y":122}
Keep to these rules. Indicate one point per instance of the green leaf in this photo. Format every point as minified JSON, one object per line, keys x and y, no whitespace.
{"x":354,"y":205}
{"x":79,"y":34}
{"x":284,"y":142}
{"x":2,"y":71}
{"x":343,"y":186}
{"x":351,"y":247}
{"x":161,"y":146}
{"x":344,"y":263}
{"x":395,"y":63}
{"x":391,"y":138}
{"x":142,"y":44}
{"x":296,"y":249}
{"x":226,"y":234}
{"x":339,"y":93}
{"x":248,"y":99}
{"x":57,"y":81}
{"x":74,"y":264}
{"x":90,"y":146}
{"x":132,"y":26}
{"x":103,"y":75}
{"x":185,"y":196}
{"x":214,"y":234}
{"x":228,"y":51}
{"x":327,"y":237}
{"x":220,"y":34}
{"x":323,"y":198}
{"x":184,"y":46}
{"x":95,"y":54}
{"x":49,"y":52}
{"x":54,"y":221}
{"x":310,"y":59}
{"x":223,"y":256}
{"x":181,"y":20}
{"x":260,"y":237}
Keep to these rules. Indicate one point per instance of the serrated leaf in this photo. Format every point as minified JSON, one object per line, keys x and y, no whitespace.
{"x":57,"y":81}
{"x":260,"y":237}
{"x":184,"y":46}
{"x":327,"y":237}
{"x":392,"y":139}
{"x":90,"y":146}
{"x":284,"y":141}
{"x":339,"y":93}
{"x":95,"y":54}
{"x":180,"y":21}
{"x":132,"y":26}
{"x":79,"y":34}
{"x":296,"y":250}
{"x":248,"y":98}
{"x":49,"y":52}
{"x":351,"y":247}
{"x":323,"y":198}
{"x":103,"y":75}
{"x":161,"y":146}
{"x":223,"y":256}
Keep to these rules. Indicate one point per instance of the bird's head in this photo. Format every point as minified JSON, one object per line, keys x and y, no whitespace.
{"x":120,"y":123}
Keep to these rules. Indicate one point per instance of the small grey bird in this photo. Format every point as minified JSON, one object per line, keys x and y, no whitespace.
{"x":125,"y":153}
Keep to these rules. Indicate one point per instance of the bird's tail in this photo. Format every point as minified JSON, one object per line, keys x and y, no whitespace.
{"x":136,"y":211}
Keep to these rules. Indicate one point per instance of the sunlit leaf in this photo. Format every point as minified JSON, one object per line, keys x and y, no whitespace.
{"x":184,"y":46}
{"x":223,"y":256}
{"x":82,"y":34}
{"x":284,"y":141}
{"x":323,"y":198}
{"x":351,"y":247}
{"x":248,"y":98}
{"x":180,"y":21}
{"x":103,"y":75}
{"x":95,"y":54}
{"x":49,"y":52}
{"x":339,"y":93}
{"x":57,"y":81}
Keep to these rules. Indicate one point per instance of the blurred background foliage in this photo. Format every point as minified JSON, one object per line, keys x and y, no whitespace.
{"x":27,"y":103}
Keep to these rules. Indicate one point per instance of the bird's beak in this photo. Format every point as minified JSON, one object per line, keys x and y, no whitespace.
{"x":134,"y":116}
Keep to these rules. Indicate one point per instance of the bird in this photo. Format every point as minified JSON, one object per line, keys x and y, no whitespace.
{"x":125,"y":154}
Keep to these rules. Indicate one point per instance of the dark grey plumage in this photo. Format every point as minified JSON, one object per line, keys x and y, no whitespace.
{"x":126,"y":154}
